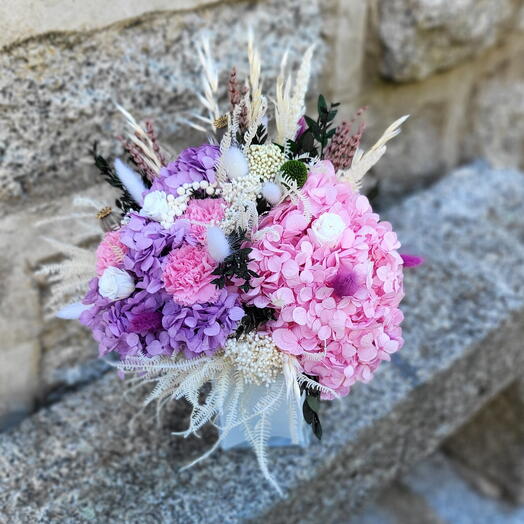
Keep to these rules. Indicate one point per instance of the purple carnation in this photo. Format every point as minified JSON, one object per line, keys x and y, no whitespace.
{"x":202,"y":328}
{"x":194,"y":164}
{"x":115,"y":324}
{"x":148,"y":243}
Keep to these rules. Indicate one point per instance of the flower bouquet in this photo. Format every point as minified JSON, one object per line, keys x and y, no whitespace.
{"x":250,"y":262}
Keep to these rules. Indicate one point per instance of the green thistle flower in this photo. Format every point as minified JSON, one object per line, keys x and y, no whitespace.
{"x":296,"y":170}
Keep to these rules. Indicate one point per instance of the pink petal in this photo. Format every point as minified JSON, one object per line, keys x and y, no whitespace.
{"x":287,"y":341}
{"x":300,"y":316}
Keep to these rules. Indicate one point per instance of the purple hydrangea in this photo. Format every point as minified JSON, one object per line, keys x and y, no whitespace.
{"x":153,"y":324}
{"x":120,"y":326}
{"x":202,"y":328}
{"x":148,"y":243}
{"x":194,"y":164}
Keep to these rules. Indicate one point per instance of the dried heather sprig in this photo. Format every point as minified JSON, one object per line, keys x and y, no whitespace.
{"x":141,"y":147}
{"x":344,"y":145}
{"x":233,"y":89}
{"x":154,"y":140}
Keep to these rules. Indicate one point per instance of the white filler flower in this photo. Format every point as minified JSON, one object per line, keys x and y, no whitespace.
{"x":115,"y":284}
{"x":328,"y":228}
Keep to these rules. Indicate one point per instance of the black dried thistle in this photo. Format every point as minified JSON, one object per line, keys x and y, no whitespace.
{"x":235,"y":265}
{"x":125,"y":202}
{"x":254,"y":318}
{"x":319,"y":132}
{"x":311,"y":408}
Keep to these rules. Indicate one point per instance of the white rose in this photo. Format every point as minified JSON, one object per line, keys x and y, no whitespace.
{"x":328,"y":228}
{"x":115,"y":284}
{"x":156,"y":206}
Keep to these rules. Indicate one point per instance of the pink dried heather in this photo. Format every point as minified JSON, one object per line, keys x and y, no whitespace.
{"x":343,"y":145}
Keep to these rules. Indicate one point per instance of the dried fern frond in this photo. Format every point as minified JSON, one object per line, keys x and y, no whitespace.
{"x":256,"y":121}
{"x":70,"y":277}
{"x":363,"y":162}
{"x":291,"y":190}
{"x":230,"y":404}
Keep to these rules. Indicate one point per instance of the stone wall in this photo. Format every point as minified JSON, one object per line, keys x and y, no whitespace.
{"x":456,"y":67}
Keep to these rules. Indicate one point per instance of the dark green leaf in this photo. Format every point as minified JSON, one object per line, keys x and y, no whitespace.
{"x":332,"y":114}
{"x":313,"y":402}
{"x":309,"y":414}
{"x":317,"y":428}
{"x":313,"y":126}
{"x":322,"y":105}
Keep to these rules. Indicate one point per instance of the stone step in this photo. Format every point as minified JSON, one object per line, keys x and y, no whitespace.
{"x":434,"y":492}
{"x":81,"y":459}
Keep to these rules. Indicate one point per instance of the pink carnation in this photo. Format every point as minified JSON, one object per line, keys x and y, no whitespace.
{"x":206,"y":211}
{"x":110,"y":252}
{"x":340,"y":297}
{"x":187,"y":276}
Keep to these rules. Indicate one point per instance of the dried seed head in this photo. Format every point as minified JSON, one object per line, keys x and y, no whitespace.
{"x":109,"y":221}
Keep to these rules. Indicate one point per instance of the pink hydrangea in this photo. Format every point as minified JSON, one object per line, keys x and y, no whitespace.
{"x":110,"y":252}
{"x":336,"y":282}
{"x":204,"y":211}
{"x":187,"y":276}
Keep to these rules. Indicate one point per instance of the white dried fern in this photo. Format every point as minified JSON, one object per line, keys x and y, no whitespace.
{"x":230,"y":404}
{"x":291,"y":190}
{"x":69,"y":277}
{"x":363,"y":162}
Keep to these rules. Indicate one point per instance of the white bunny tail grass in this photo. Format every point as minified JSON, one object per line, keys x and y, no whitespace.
{"x":131,"y":180}
{"x":272,"y":193}
{"x":364,"y":161}
{"x":235,"y":163}
{"x":72,"y":311}
{"x":217,"y":244}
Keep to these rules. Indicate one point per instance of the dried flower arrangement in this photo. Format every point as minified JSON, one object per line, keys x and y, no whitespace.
{"x":250,"y":262}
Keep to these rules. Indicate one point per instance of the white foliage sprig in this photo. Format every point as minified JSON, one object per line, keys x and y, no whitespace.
{"x":208,"y":96}
{"x":176,"y":378}
{"x":364,"y":161}
{"x":141,"y":139}
{"x":255,"y":83}
{"x":291,"y":190}
{"x":290,"y":99}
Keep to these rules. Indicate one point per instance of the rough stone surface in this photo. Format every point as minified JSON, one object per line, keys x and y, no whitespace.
{"x":497,"y":129}
{"x":434,"y":492}
{"x":23,"y":19}
{"x":490,"y":447}
{"x":39,"y":354}
{"x":80,"y":460}
{"x":421,"y":37}
{"x":57,"y":92}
